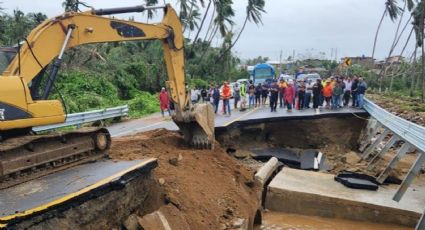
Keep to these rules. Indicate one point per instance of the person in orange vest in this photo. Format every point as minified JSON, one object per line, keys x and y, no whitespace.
{"x":226,"y":95}
{"x":327,"y":93}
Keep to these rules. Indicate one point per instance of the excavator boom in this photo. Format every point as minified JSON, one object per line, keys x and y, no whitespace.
{"x":24,"y":103}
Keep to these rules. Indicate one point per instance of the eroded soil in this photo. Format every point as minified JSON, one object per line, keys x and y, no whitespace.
{"x":209,"y":187}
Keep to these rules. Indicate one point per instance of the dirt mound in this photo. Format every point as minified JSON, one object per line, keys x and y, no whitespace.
{"x":209,"y":187}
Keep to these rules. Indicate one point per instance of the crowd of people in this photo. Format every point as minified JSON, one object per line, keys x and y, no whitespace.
{"x":332,"y":93}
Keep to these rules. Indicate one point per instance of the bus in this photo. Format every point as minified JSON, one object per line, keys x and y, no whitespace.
{"x":263,"y":73}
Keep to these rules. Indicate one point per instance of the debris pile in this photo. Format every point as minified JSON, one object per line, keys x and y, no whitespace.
{"x":207,"y":189}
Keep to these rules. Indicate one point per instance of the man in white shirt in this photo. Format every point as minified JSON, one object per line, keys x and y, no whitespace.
{"x":347,"y":91}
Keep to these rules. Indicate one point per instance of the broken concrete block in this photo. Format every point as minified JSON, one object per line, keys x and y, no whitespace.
{"x":168,"y":217}
{"x":240,"y":224}
{"x":132,"y":223}
{"x":266,"y":171}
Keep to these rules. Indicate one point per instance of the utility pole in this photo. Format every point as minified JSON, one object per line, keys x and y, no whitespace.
{"x":336,"y":54}
{"x":332,"y":54}
{"x":280,"y":62}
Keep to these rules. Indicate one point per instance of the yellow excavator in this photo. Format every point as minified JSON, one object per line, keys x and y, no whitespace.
{"x":26,"y":83}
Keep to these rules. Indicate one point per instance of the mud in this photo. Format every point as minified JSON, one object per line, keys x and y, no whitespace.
{"x":283,"y":221}
{"x":305,"y":134}
{"x":205,"y":189}
{"x":336,"y":138}
{"x":210,"y":188}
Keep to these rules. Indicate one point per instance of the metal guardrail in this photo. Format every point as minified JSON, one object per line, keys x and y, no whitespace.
{"x":85,"y":117}
{"x":410,"y":132}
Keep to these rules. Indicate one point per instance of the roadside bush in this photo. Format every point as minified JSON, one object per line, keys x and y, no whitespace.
{"x":144,"y":103}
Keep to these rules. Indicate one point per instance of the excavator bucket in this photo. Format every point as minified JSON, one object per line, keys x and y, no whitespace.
{"x":197,"y":126}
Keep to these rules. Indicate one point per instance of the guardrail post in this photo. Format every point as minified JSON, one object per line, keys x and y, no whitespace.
{"x":421,"y":223}
{"x":378,"y":140}
{"x":413,"y":172}
{"x":400,"y":153}
{"x":384,"y":150}
{"x":374,"y":130}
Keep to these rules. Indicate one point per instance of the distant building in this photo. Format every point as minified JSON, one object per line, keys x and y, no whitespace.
{"x":364,"y":61}
{"x":393,"y":61}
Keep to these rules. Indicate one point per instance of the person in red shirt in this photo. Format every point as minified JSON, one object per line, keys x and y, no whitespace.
{"x":289,"y":95}
{"x":226,"y":95}
{"x":164,"y":101}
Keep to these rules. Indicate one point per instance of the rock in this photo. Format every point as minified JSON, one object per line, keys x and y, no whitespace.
{"x":167,"y":217}
{"x":180,"y":157}
{"x":132,"y":223}
{"x":161,"y":181}
{"x":174,"y":161}
{"x":241,"y":224}
{"x":170,"y":198}
{"x":240,"y":154}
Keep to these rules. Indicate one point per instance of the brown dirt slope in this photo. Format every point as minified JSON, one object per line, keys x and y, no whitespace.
{"x":209,"y":187}
{"x":410,"y":109}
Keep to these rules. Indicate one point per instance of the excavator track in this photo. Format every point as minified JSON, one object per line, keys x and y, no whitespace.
{"x":33,"y":156}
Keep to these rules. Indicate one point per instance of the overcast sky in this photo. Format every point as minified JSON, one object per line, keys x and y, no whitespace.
{"x":306,"y":26}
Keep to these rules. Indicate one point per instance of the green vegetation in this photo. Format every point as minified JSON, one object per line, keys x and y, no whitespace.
{"x":104,"y":75}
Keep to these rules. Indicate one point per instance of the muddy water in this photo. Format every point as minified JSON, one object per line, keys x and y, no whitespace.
{"x":283,"y":221}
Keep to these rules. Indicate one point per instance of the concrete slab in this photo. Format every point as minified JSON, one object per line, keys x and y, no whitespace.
{"x":253,"y":115}
{"x":317,"y":194}
{"x":58,"y":189}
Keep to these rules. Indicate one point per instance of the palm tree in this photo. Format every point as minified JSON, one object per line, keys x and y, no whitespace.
{"x":393,"y":10}
{"x":224,"y":16}
{"x":150,"y":12}
{"x":203,"y":21}
{"x":254,"y":10}
{"x":418,"y":25}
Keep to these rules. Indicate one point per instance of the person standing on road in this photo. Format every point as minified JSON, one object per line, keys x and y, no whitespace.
{"x":252,"y":95}
{"x":194,"y":96}
{"x":226,"y":95}
{"x":327,"y":93}
{"x":243,"y":90}
{"x":361,"y":90}
{"x":204,"y":95}
{"x":216,"y":98}
{"x":258,"y":93}
{"x":317,"y":94}
{"x":164,"y":101}
{"x":308,"y":92}
{"x":354,"y":91}
{"x":282,"y":86}
{"x":264,"y":93}
{"x":347,"y":90}
{"x":289,"y":95}
{"x":274,"y":94}
{"x":236,"y":95}
{"x":301,"y":95}
{"x":337,"y":91}
{"x":341,"y":97}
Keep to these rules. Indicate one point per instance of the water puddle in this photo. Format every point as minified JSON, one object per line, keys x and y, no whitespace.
{"x":283,"y":221}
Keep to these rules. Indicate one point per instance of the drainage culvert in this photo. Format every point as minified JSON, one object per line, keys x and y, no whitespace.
{"x":331,"y":142}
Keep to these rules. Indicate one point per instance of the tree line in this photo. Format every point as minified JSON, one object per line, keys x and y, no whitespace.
{"x":101,"y":75}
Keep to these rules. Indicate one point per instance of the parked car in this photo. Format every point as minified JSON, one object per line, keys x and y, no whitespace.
{"x":310,"y":76}
{"x":313,"y":77}
{"x":241,"y":81}
{"x":286,"y":78}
